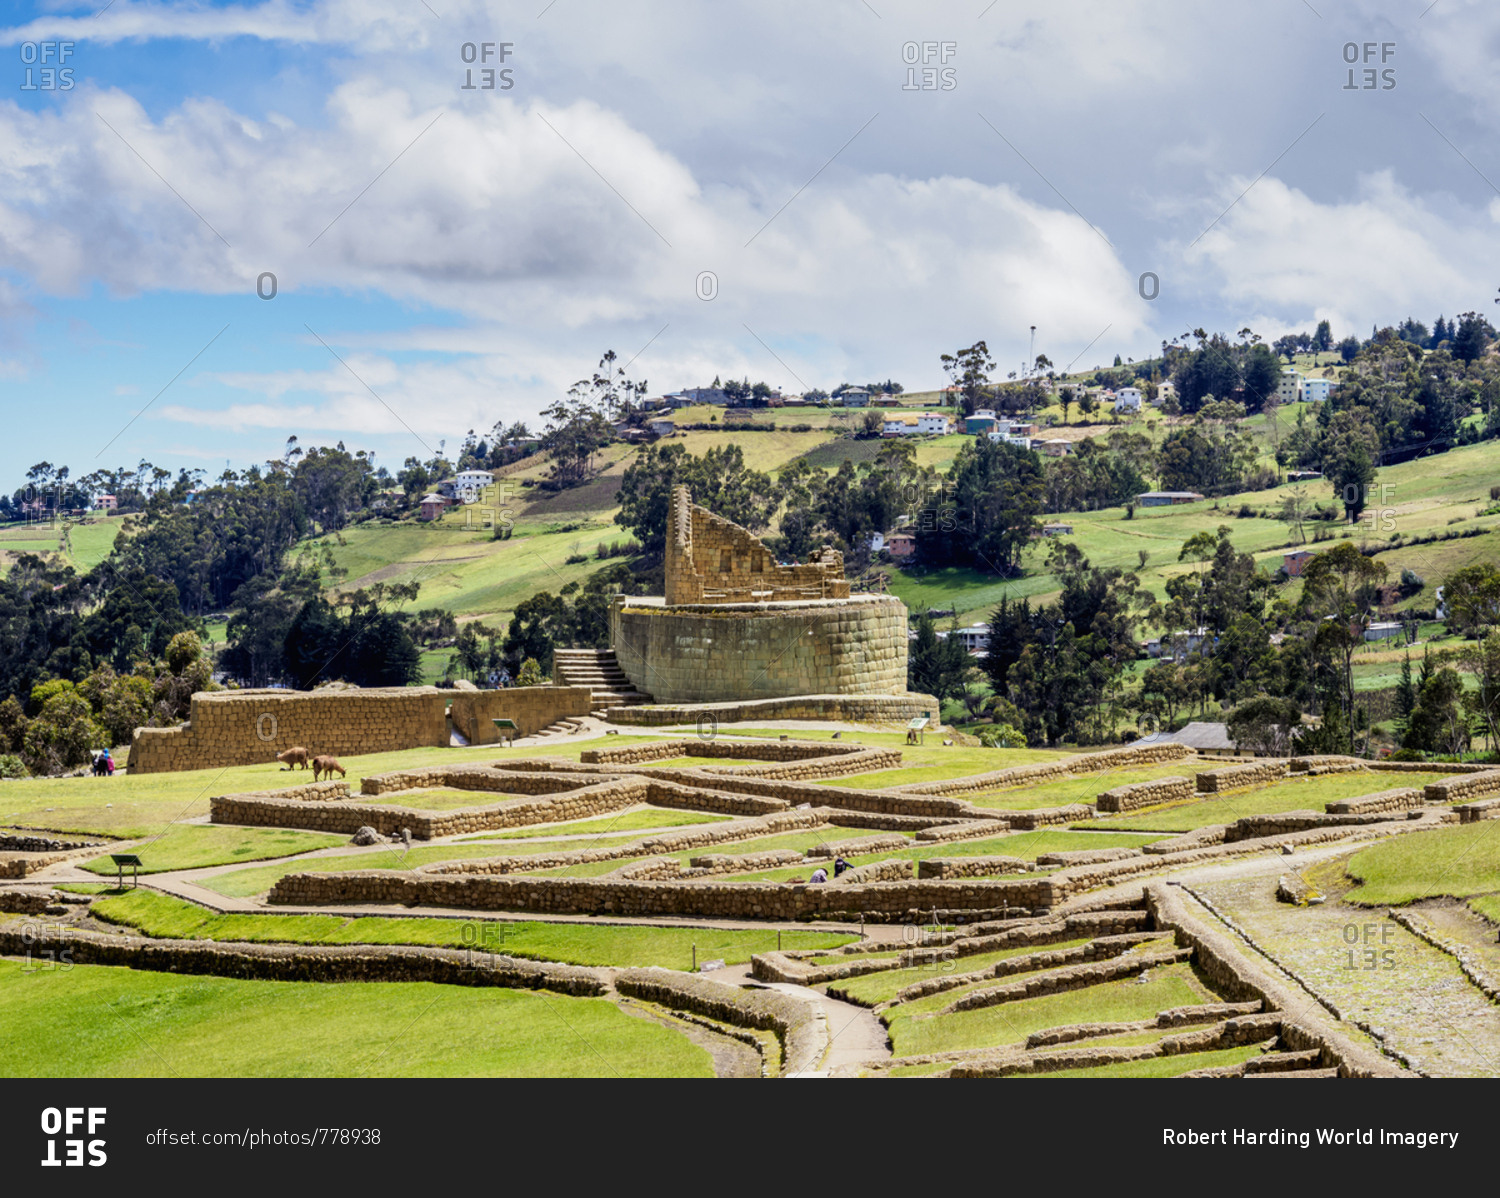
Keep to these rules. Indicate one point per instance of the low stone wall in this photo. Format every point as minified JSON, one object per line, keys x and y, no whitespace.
{"x":388,"y":819}
{"x":1145,"y":794}
{"x":11,"y":842}
{"x":530,"y":708}
{"x":1047,"y":817}
{"x":304,"y":963}
{"x":896,"y":869}
{"x":1235,"y":777}
{"x":1102,"y":948}
{"x":1215,"y":1012}
{"x":246,"y":727}
{"x":789,"y":1020}
{"x":853,"y":709}
{"x":1431,"y":767}
{"x":971,"y":867}
{"x":1068,"y":977}
{"x":1401,"y":799}
{"x":1464,"y":786}
{"x":666,"y":842}
{"x":1128,"y":757}
{"x":1331,"y":764}
{"x":969,"y":830}
{"x":1248,"y":1029}
{"x":730,"y":750}
{"x":744,"y":863}
{"x":16,"y":901}
{"x":1086,"y":856}
{"x":860,"y":847}
{"x":1470,"y":813}
{"x":707,"y":899}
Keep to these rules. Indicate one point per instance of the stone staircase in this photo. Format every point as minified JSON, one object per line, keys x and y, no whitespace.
{"x":598,"y":670}
{"x":560,"y":728}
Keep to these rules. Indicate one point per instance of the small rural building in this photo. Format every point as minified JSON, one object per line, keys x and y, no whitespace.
{"x":1317,"y":390}
{"x":468,"y":483}
{"x":662,"y":428}
{"x":1057,"y":529}
{"x":1128,"y":399}
{"x":1385,"y":630}
{"x":899,"y":426}
{"x":432,"y":506}
{"x":1290,"y":389}
{"x":1053,"y":447}
{"x":901,"y":544}
{"x":855,"y":397}
{"x":1302,"y":476}
{"x":935,"y":423}
{"x":1208,"y":737}
{"x":1166,"y":498}
{"x":108,"y":503}
{"x":1294,"y":561}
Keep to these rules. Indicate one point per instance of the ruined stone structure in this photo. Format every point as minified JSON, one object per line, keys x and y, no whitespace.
{"x":712,"y":560}
{"x":735,"y":626}
{"x":245,"y":727}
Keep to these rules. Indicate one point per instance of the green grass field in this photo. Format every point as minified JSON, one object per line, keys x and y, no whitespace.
{"x":1309,"y":794}
{"x":108,"y":1021}
{"x":131,"y":806}
{"x":1168,"y":1066}
{"x":197,"y":846}
{"x":1012,"y":1022}
{"x":1462,"y":861}
{"x":875,"y":988}
{"x":634,"y":945}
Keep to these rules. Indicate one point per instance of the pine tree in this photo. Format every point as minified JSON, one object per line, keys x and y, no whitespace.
{"x":1406,"y":695}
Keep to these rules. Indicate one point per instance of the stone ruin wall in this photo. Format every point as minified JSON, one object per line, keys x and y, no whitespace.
{"x":710,"y":559}
{"x":727,"y":653}
{"x":249,"y":727}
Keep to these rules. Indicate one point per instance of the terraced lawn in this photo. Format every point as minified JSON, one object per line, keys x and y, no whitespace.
{"x":1010,"y":1023}
{"x":1078,"y":788}
{"x":626,"y":821}
{"x":1302,"y":794}
{"x":143,"y":805}
{"x":109,"y":1021}
{"x":1171,"y":1066}
{"x":243,"y":883}
{"x":881,"y":987}
{"x":167,"y":917}
{"x":198,"y":846}
{"x":1460,"y":860}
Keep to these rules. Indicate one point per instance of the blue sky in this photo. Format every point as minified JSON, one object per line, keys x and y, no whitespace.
{"x":470,"y":253}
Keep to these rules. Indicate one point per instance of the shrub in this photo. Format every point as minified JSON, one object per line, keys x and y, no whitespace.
{"x":574,"y":559}
{"x":1407,"y":755}
{"x":1495,"y":492}
{"x":11,"y":766}
{"x":531,"y":673}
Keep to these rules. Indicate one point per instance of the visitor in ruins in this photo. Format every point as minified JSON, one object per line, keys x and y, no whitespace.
{"x":820,"y":875}
{"x":839,"y":866}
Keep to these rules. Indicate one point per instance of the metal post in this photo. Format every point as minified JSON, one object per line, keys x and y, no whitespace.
{"x":695,"y":958}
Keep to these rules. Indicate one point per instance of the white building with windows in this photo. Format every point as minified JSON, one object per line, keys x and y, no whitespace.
{"x":934,"y":422}
{"x":1317,"y":390}
{"x":1128,"y":399}
{"x":1290,"y":389}
{"x":467,"y":484}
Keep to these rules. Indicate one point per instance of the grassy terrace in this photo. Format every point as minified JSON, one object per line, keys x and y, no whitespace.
{"x":1171,"y":1066}
{"x":1297,"y":795}
{"x":1026,"y":845}
{"x":166,"y":917}
{"x":915,"y":1031}
{"x":628,"y":821}
{"x":126,"y":806}
{"x":243,"y":883}
{"x":1461,"y":861}
{"x":197,"y":846}
{"x":108,"y":1021}
{"x":1078,"y":788}
{"x":875,"y":988}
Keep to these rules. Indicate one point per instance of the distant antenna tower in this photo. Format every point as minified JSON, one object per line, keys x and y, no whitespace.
{"x":1031,"y":353}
